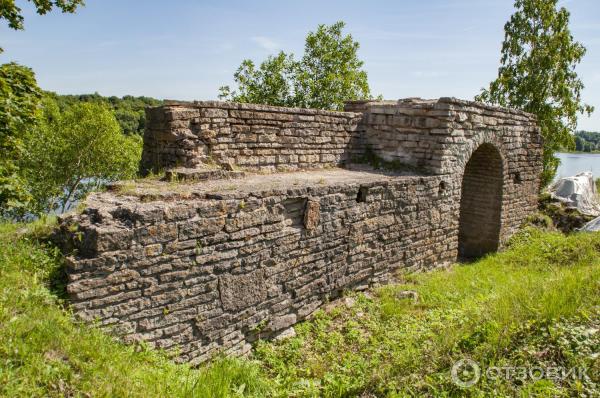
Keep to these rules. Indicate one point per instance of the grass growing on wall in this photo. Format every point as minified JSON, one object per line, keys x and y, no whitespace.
{"x":536,"y":304}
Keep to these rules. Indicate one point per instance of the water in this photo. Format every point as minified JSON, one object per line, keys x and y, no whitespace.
{"x":574,"y":163}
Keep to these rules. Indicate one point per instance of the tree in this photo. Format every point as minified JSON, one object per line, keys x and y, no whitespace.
{"x":129,"y":111}
{"x":12,"y":13}
{"x":579,"y":144}
{"x":19,"y":101}
{"x":330,"y":71}
{"x":328,"y":74}
{"x":537,"y":74}
{"x":587,"y":141}
{"x":271,"y":83}
{"x":75,"y":151}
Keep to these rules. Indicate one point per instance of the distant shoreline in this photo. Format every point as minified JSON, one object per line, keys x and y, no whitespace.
{"x":580,"y":152}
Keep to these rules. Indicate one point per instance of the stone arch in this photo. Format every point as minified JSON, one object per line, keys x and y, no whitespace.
{"x":481,"y":202}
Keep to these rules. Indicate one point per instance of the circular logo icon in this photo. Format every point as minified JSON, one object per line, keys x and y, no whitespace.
{"x":465,"y":373}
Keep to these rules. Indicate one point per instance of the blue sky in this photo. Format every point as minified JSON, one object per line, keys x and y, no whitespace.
{"x":185,"y":49}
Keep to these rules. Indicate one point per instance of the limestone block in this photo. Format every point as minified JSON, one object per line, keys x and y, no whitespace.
{"x":282,"y":322}
{"x":242,"y":291}
{"x":312,"y":214}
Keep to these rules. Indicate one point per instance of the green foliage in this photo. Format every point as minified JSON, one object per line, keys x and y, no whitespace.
{"x":563,"y":218}
{"x":129,"y":110}
{"x":75,"y":151}
{"x":60,"y":148}
{"x":20,"y":98}
{"x":587,"y":141}
{"x":328,"y":74}
{"x":271,"y":83}
{"x":330,"y":71}
{"x":12,"y":13}
{"x":19,"y":101}
{"x":537,"y":74}
{"x":540,"y":220}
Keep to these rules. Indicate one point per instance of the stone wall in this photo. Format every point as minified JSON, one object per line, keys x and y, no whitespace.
{"x":214,"y":265}
{"x":441,"y":135}
{"x":208,"y":274}
{"x":253,"y":137}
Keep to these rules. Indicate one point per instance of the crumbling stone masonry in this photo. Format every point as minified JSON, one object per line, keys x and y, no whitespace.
{"x":277,"y":210}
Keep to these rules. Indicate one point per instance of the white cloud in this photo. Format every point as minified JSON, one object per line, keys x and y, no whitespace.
{"x":266,"y":43}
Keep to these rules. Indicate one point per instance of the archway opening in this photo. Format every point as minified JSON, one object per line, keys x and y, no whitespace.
{"x":480,"y":203}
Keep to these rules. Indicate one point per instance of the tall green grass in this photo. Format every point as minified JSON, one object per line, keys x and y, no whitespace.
{"x":490,"y":311}
{"x":535,"y":304}
{"x":45,"y":352}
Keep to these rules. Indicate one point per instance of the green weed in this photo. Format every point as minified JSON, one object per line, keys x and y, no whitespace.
{"x":535,"y":304}
{"x":489,"y":311}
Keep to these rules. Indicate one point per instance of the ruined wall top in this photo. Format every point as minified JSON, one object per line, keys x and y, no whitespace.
{"x":216,"y":137}
{"x":442,"y":103}
{"x":353,"y":107}
{"x":254,"y":107}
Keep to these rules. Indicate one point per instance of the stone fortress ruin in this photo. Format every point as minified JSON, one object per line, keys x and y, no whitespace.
{"x":266,"y":213}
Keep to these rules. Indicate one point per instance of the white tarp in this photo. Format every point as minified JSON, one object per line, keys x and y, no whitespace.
{"x":593,"y":225}
{"x":577,"y":192}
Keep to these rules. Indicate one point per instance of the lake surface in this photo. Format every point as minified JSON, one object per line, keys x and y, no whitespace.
{"x":574,"y":163}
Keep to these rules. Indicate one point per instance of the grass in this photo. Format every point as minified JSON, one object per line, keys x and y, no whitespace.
{"x":536,"y":304}
{"x":520,"y":308}
{"x":45,"y":352}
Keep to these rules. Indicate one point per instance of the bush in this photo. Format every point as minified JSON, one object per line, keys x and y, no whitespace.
{"x":73,"y":152}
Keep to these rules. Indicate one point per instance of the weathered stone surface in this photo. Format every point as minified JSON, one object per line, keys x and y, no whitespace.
{"x":209,"y":266}
{"x":253,"y":137}
{"x":282,"y":322}
{"x":242,"y":291}
{"x":312,"y":214}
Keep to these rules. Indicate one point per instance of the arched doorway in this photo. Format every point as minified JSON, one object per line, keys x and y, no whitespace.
{"x":480,"y":203}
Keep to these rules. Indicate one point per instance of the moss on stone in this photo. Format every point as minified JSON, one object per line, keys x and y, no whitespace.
{"x":370,"y":158}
